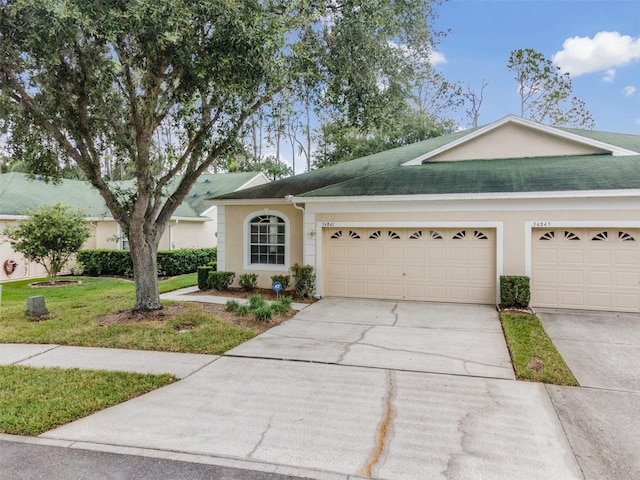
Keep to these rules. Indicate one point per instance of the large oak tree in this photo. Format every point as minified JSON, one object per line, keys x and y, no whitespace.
{"x":85,"y":81}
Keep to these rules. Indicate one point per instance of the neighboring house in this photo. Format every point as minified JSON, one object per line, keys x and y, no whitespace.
{"x":442,"y":219}
{"x":192,"y":225}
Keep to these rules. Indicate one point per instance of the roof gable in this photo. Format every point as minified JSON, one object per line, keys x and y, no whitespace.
{"x":513,"y":137}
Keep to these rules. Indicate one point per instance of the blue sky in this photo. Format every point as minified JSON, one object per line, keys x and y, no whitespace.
{"x":604,"y":67}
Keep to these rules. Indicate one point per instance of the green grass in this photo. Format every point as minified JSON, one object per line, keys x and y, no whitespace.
{"x":34,"y":400}
{"x":76,"y":313}
{"x":182,"y":281}
{"x":534,"y":356}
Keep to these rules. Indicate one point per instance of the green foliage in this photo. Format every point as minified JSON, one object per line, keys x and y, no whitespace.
{"x":50,"y":236}
{"x":305,"y":279}
{"x":340,"y":142}
{"x":76,"y":315}
{"x":232,"y":306}
{"x":243,"y":310}
{"x":166,"y":87}
{"x":203,"y":275}
{"x":282,"y":305}
{"x":534,"y":356}
{"x":170,"y":262}
{"x":263,"y":313}
{"x":256,"y":301}
{"x":545,"y":92}
{"x":35,"y":400}
{"x":185,"y":260}
{"x":248,"y":281}
{"x":515,"y":291}
{"x":221,"y":280}
{"x":283,"y":279}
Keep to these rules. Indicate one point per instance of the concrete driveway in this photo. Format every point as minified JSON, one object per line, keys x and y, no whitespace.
{"x":351,"y":389}
{"x":601,"y":418}
{"x":455,"y":339}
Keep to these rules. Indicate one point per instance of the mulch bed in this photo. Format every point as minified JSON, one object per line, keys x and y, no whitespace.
{"x":266,"y":293}
{"x":59,"y":283}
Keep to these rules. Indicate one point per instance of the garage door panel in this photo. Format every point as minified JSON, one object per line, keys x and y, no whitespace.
{"x":599,"y":271}
{"x":416,"y":264}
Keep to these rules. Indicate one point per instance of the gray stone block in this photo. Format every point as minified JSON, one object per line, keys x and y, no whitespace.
{"x":36,"y":306}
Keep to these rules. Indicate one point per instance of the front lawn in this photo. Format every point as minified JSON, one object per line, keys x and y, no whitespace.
{"x":34,"y":400}
{"x":85,"y":315}
{"x":534,"y":356}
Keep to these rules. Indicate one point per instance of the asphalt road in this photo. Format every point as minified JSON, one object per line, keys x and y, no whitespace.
{"x":21,"y":461}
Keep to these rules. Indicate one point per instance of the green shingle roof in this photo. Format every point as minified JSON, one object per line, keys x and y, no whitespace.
{"x":19,"y":193}
{"x":384,"y":173}
{"x":589,"y":172}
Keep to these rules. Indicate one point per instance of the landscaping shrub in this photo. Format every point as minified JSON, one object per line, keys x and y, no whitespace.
{"x":305,"y":278}
{"x":221,"y":280}
{"x":256,"y":301}
{"x":170,"y":262}
{"x":232,"y":306}
{"x":263,"y":313}
{"x":243,"y":310}
{"x":105,"y":262}
{"x":249,"y":281}
{"x":515,"y":291}
{"x":283,"y":279}
{"x":281,"y":306}
{"x":203,"y":275}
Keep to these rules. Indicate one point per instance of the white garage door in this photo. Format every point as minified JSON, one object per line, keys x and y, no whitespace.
{"x":586,"y":269}
{"x":442,"y":265}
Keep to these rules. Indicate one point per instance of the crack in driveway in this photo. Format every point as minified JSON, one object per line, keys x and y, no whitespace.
{"x":383,"y":431}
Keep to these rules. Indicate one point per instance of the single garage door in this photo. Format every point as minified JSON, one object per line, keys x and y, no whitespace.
{"x":440,"y":265}
{"x":586,"y":269}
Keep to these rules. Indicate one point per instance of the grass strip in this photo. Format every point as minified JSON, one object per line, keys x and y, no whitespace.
{"x":534,"y":356}
{"x":35,"y":400}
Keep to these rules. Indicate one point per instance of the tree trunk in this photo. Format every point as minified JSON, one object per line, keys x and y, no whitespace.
{"x":144,"y":255}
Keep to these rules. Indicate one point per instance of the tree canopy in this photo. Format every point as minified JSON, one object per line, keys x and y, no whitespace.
{"x":165,"y":86}
{"x":545,"y":92}
{"x":49,"y":236}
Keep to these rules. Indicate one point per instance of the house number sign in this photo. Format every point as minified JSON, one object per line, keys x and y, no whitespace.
{"x":541,"y":224}
{"x":328,"y":224}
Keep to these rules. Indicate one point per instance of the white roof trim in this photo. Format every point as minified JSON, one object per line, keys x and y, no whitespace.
{"x":254,"y":201}
{"x":473,"y":196}
{"x":615,"y":151}
{"x":241,"y":187}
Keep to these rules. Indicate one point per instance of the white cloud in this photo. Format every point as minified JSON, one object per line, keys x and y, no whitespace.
{"x":608,"y":75}
{"x":437,"y":58}
{"x":606,"y":50}
{"x":629,"y":90}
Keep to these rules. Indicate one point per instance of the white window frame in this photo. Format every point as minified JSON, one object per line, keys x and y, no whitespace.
{"x":246,"y":239}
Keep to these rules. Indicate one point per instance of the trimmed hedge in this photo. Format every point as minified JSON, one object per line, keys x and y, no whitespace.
{"x":515,"y":291}
{"x":170,"y":262}
{"x":203,"y":275}
{"x":221,"y":280}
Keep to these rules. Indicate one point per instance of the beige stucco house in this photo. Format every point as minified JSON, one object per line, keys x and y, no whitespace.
{"x":193,"y":224}
{"x":442,"y":219}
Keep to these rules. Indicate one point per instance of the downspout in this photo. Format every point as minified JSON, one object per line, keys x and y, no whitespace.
{"x":171,"y":234}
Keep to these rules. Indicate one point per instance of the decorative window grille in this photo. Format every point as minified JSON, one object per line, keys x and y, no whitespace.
{"x":267,"y":240}
{"x":460,"y":235}
{"x":548,"y":236}
{"x":353,"y":234}
{"x":416,"y":235}
{"x":480,"y":235}
{"x":393,"y":235}
{"x":376,"y":234}
{"x":337,"y":234}
{"x":570,"y":235}
{"x":435,"y":235}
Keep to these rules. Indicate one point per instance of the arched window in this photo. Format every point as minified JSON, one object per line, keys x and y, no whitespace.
{"x":267,"y":240}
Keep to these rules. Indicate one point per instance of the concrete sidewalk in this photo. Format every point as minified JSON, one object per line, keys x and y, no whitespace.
{"x":186,"y":295}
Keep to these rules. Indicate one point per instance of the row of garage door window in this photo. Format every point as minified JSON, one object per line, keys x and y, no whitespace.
{"x":550,"y":235}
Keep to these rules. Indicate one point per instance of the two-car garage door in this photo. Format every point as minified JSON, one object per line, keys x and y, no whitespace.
{"x":593,"y":269}
{"x":432,"y":264}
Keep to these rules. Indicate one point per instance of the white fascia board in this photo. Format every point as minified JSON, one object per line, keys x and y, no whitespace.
{"x":255,"y":201}
{"x":248,"y":182}
{"x":472,"y":196}
{"x":191,"y":219}
{"x":615,"y":150}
